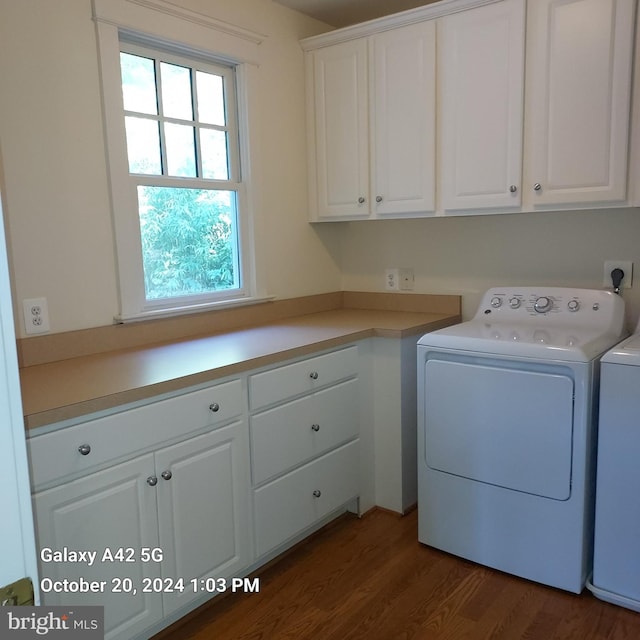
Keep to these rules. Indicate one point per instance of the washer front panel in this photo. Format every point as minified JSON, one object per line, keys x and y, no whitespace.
{"x":499,"y":424}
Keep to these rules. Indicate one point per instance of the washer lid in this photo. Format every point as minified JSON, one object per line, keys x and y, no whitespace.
{"x":627,"y":352}
{"x":533,"y":340}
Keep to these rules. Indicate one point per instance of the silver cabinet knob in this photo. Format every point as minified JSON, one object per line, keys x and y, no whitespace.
{"x":317,"y":493}
{"x":84,"y":449}
{"x":315,"y":427}
{"x":152,"y":481}
{"x":361,"y":200}
{"x":513,"y":188}
{"x":378,"y":198}
{"x":313,"y":375}
{"x":537,"y":186}
{"x":214,"y":407}
{"x":166,"y":475}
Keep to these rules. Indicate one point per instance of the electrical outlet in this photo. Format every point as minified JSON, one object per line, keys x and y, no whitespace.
{"x":625,"y":265}
{"x":406,"y":279}
{"x":36,"y":315}
{"x":392,"y":279}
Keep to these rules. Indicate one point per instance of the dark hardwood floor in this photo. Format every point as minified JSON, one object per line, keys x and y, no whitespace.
{"x":370,"y":578}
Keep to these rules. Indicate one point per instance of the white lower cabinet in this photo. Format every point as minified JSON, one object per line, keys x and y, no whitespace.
{"x":159,"y":524}
{"x":298,"y":431}
{"x":305,"y":461}
{"x":203,"y":510}
{"x":188,"y":502}
{"x":298,"y":499}
{"x":111,"y":509}
{"x":159,"y":529}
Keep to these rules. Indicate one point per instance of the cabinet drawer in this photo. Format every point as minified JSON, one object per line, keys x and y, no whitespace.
{"x":294,"y":379}
{"x":56,"y":455}
{"x":291,"y":434}
{"x":295,"y":501}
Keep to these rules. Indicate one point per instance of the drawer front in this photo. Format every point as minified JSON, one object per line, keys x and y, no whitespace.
{"x":288,"y":505}
{"x":294,"y":379}
{"x":287,"y":436}
{"x":56,"y":455}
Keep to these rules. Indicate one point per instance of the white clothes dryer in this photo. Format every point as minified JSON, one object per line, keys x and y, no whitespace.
{"x":506,"y":431}
{"x":616,"y":557}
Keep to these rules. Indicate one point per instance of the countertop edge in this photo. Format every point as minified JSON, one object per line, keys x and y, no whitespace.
{"x":141,"y":393}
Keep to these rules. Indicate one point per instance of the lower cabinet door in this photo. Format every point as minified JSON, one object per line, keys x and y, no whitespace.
{"x":295,"y":501}
{"x":203,"y":511}
{"x":111,"y":514}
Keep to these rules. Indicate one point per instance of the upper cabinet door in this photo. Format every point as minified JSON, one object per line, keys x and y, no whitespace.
{"x":341,"y":130}
{"x":481,"y":70}
{"x":403,"y":120}
{"x":579,"y":70}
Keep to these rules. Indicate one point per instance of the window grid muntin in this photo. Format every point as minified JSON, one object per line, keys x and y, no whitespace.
{"x":230,"y":127}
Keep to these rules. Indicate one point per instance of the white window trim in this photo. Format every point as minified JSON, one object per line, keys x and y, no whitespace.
{"x":131,"y":18}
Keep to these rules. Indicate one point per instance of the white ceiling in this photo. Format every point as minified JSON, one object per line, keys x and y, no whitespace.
{"x":341,"y":13}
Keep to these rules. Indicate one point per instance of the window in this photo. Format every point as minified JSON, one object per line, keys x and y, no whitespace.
{"x":183,"y":160}
{"x":178,"y":111}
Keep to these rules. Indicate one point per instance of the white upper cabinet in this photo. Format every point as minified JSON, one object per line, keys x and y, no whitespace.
{"x":403,"y":78}
{"x":341,"y":130}
{"x":579,"y":61}
{"x":514,"y":105}
{"x":481,"y":71}
{"x":372,"y":125}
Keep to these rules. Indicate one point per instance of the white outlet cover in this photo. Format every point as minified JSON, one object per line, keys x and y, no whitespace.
{"x":36,"y":315}
{"x":392,"y":279}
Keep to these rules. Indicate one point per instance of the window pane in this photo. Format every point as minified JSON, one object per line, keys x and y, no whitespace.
{"x":213,"y":149}
{"x":143,"y":146}
{"x":210,"y":98}
{"x":176,"y":91}
{"x":181,"y":153}
{"x":189,"y":241}
{"x":138,"y":84}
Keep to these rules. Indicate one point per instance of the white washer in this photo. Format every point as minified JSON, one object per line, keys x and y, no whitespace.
{"x":506,"y":431}
{"x":616,"y":558}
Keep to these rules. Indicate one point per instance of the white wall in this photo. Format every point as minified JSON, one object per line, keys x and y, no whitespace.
{"x":57,"y":203}
{"x":57,"y":200}
{"x":467,"y":255}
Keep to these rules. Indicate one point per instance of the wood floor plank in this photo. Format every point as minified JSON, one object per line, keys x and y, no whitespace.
{"x":371,"y":578}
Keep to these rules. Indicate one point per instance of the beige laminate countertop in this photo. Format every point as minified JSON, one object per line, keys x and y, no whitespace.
{"x":68,"y":389}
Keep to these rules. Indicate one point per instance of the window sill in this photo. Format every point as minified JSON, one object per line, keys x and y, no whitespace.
{"x":152,"y":314}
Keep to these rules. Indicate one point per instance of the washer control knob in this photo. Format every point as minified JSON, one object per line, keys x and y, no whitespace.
{"x":573,"y":305}
{"x":543,"y":304}
{"x":514,"y":303}
{"x":496,"y":302}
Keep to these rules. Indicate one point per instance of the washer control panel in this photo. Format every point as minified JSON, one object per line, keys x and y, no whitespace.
{"x":560,"y":305}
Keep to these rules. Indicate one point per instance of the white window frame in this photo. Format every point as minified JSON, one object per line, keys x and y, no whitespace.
{"x":123,"y":21}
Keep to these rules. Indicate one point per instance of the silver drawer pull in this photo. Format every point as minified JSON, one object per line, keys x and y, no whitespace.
{"x":214,"y":407}
{"x":84,"y":449}
{"x":317,"y":493}
{"x":167,"y":475}
{"x":313,"y":375}
{"x":152,"y":481}
{"x":315,"y":427}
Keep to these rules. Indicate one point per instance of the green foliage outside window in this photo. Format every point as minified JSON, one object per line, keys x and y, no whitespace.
{"x":188,"y":243}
